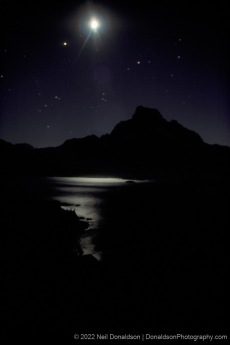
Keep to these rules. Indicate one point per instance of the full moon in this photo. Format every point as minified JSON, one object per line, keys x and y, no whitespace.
{"x":94,"y":24}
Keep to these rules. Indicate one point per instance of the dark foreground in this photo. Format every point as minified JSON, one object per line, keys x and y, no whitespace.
{"x":164,"y":268}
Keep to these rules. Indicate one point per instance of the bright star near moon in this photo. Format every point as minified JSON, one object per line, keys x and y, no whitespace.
{"x":94,"y":24}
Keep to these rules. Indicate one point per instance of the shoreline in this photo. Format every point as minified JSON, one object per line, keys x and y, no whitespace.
{"x":164,"y":263}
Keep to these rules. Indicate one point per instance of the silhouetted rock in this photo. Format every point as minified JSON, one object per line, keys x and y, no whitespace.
{"x":23,"y":147}
{"x":83,"y":142}
{"x":4,"y":145}
{"x":149,"y":125}
{"x":183,"y":135}
{"x":148,"y":116}
{"x":147,"y":145}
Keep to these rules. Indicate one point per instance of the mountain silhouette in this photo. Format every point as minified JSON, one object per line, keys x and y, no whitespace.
{"x":147,"y":145}
{"x":164,"y":243}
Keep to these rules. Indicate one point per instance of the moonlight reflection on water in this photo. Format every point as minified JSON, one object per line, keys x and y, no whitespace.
{"x":86,"y":196}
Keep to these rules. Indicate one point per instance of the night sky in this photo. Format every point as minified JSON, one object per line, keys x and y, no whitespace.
{"x":62,"y":79}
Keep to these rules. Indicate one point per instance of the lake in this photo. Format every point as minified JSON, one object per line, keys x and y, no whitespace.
{"x":164,"y":248}
{"x":86,"y":196}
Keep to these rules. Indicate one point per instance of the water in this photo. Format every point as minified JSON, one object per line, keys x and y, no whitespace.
{"x":86,"y":196}
{"x":155,"y":237}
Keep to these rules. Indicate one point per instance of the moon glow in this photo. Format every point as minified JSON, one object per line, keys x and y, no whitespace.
{"x":94,"y":24}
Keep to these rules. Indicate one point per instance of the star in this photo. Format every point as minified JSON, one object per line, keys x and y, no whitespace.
{"x":65,"y":44}
{"x":103,"y":98}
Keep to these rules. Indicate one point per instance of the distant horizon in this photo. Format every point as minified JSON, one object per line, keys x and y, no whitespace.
{"x":99,"y":136}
